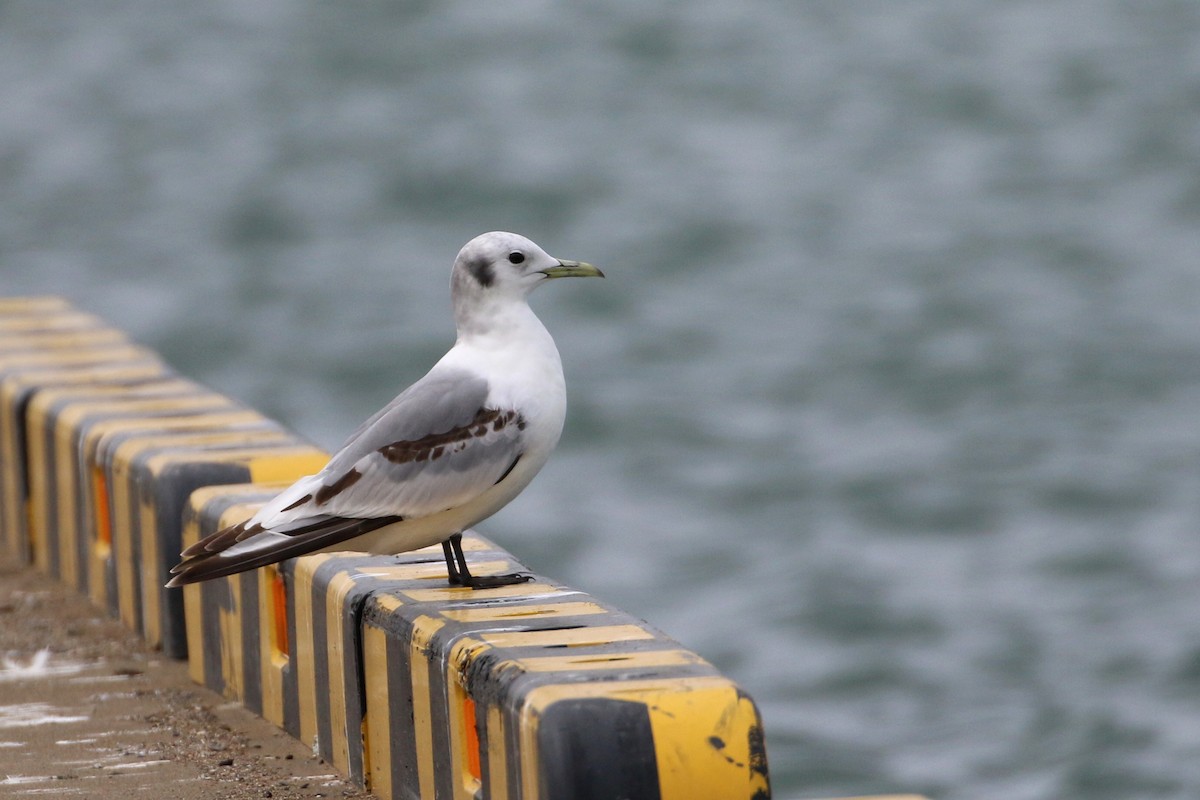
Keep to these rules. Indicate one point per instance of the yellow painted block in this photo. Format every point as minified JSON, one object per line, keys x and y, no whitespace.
{"x":700,"y":729}
{"x":377,"y":724}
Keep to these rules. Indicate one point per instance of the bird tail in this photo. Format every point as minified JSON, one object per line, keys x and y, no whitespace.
{"x":245,"y":546}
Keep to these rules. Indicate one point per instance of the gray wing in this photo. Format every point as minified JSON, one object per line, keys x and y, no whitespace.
{"x":443,"y":399}
{"x":436,"y":446}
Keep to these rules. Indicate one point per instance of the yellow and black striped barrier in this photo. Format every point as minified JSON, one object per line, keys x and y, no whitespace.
{"x":158,"y":481}
{"x":16,"y":392}
{"x":239,"y":628}
{"x":43,"y":342}
{"x":420,"y":689}
{"x":111,"y":463}
{"x":539,"y":691}
{"x":115,"y":465}
{"x":56,"y":419}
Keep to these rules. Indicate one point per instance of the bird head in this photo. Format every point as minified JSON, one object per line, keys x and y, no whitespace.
{"x":499,"y":267}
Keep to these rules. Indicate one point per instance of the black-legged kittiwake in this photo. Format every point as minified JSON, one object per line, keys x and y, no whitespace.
{"x":449,"y":451}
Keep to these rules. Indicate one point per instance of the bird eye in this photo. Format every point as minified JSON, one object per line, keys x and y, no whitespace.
{"x":516,"y":257}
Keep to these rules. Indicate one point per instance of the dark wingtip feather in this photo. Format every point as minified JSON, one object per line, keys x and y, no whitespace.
{"x":215,"y":541}
{"x":206,"y":567}
{"x":202,"y":563}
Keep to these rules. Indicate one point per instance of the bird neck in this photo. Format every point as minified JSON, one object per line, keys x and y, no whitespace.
{"x":499,"y":320}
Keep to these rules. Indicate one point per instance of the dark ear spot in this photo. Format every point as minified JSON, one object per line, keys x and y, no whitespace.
{"x":481,"y":268}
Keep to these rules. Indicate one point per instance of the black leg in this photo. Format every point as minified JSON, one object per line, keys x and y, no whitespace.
{"x":456,"y":565}
{"x":451,"y":567}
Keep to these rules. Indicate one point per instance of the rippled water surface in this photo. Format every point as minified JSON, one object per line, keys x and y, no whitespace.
{"x":889,"y":406}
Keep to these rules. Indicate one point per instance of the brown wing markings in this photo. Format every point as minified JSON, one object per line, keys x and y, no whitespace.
{"x":436,"y":445}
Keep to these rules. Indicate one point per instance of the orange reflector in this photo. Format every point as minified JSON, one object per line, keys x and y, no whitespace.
{"x":472,"y":731}
{"x":100,"y":501}
{"x":279,"y":631}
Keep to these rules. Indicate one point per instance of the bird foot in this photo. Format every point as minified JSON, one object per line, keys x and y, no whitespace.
{"x":490,"y":581}
{"x":460,"y":575}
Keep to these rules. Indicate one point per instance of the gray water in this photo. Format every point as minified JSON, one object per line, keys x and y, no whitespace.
{"x":888,"y":406}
